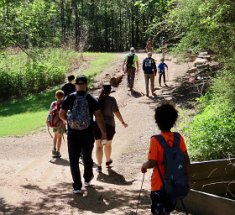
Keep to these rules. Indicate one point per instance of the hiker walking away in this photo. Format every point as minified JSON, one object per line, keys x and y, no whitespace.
{"x":69,"y":87}
{"x":164,"y":46}
{"x":162,"y":70}
{"x":149,"y":45}
{"x":77,"y":111}
{"x":131,"y":66}
{"x":109,"y":108}
{"x":165,"y":171}
{"x":56,"y":123}
{"x":150,"y":69}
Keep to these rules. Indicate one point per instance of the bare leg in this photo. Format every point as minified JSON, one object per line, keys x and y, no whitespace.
{"x":59,"y":141}
{"x":55,"y":139}
{"x":99,"y":152}
{"x":108,"y":150}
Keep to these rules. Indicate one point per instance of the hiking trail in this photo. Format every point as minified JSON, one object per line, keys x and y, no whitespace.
{"x":32,"y":183}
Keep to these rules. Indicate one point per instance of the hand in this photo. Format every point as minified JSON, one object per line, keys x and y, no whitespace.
{"x":124,"y":124}
{"x":144,"y":168}
{"x":104,"y":136}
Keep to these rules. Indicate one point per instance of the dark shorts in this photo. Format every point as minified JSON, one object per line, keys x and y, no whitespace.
{"x":160,"y":204}
{"x":110,"y":131}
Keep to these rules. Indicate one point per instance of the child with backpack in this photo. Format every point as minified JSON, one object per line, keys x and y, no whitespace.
{"x":56,"y":123}
{"x":161,"y":68}
{"x":170,"y":162}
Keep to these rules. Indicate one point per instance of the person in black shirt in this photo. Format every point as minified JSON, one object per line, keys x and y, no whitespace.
{"x":150,"y":69}
{"x":69,"y":87}
{"x":80,"y":138}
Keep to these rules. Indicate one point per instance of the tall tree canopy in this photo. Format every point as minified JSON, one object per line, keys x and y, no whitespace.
{"x":108,"y":25}
{"x":97,"y":25}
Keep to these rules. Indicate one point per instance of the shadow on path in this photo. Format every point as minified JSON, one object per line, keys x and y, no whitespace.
{"x":59,"y":199}
{"x":113,"y":178}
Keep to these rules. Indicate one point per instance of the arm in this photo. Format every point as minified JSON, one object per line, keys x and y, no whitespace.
{"x":47,"y":122}
{"x":154,"y":67}
{"x":188,"y":166}
{"x":137,"y":65}
{"x":143,"y":66}
{"x":148,"y":165}
{"x":63,"y":115}
{"x":119,"y":116}
{"x":100,"y":122}
{"x":166,"y":66}
{"x":123,"y":65}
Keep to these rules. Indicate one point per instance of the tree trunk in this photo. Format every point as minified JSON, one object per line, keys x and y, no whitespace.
{"x":63,"y":27}
{"x":76,"y":24}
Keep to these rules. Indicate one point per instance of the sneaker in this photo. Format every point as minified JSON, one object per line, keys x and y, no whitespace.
{"x":54,"y":151}
{"x":88,"y":183}
{"x":78,"y":191}
{"x":57,"y":154}
{"x":99,"y":169}
{"x":108,"y":163}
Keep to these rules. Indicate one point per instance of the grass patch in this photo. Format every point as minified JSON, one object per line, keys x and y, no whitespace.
{"x":100,"y":61}
{"x":27,"y":114}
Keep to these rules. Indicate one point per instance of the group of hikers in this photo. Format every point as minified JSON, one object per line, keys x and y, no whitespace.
{"x":88,"y":120}
{"x":131,"y":67}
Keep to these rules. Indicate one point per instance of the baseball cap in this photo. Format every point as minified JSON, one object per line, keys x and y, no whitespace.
{"x":81,"y":80}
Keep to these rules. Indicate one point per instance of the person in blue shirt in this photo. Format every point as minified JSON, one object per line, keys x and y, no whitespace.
{"x":162,"y":70}
{"x":150,"y":69}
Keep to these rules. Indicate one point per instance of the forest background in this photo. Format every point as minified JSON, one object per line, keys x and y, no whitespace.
{"x":40,"y":40}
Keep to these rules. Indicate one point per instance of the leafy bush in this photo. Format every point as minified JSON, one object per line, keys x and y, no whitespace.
{"x":22,"y":76}
{"x":211,"y":133}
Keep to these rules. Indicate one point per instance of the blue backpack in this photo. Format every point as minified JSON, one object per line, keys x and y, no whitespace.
{"x":175,"y":180}
{"x":79,"y":117}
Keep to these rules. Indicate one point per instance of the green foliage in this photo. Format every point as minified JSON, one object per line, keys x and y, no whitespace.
{"x":32,"y":110}
{"x":28,"y":23}
{"x":211,"y":133}
{"x":204,"y":25}
{"x":21,"y":75}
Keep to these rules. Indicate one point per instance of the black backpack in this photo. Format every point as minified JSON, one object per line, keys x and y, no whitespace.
{"x":129,"y":61}
{"x":175,"y":181}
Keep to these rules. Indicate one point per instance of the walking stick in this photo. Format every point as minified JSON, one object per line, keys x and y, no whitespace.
{"x":138,"y":201}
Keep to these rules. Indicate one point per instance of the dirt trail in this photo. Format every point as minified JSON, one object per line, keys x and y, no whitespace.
{"x":30,"y":183}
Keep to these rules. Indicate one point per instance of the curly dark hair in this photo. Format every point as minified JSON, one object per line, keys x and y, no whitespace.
{"x":166,"y":116}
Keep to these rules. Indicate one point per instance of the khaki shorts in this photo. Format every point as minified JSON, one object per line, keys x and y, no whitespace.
{"x":60,"y":130}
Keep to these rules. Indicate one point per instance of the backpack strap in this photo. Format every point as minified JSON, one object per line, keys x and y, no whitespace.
{"x":165,"y":146}
{"x":176,"y":142}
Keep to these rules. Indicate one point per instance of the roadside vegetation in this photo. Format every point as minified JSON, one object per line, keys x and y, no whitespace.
{"x":209,"y":26}
{"x":28,"y":113}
